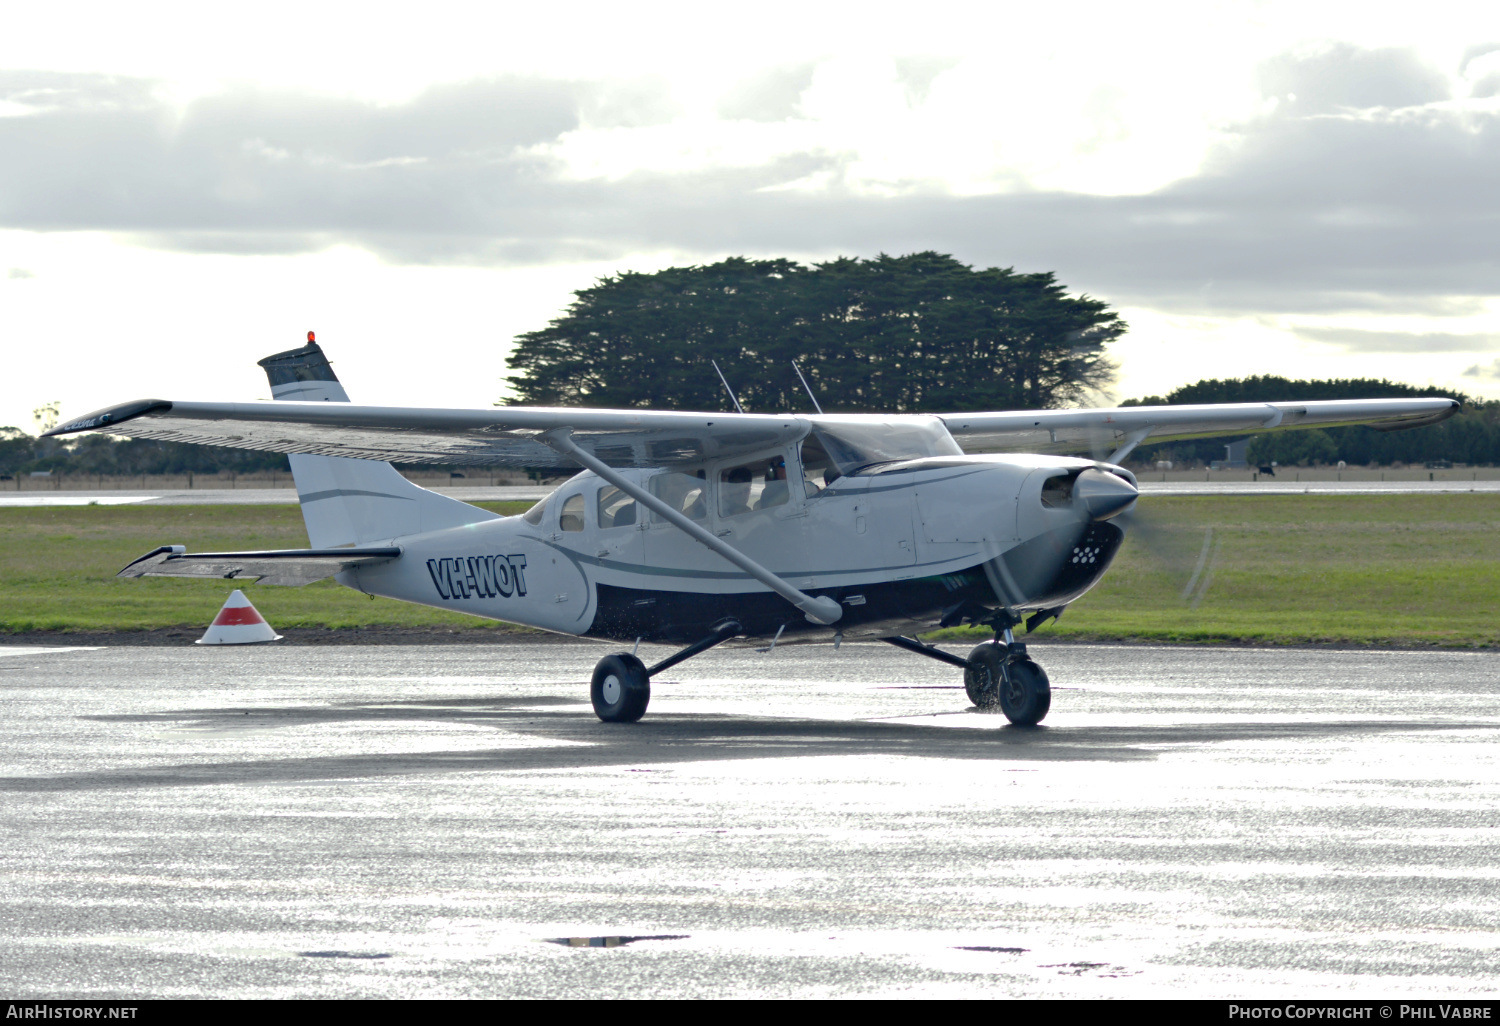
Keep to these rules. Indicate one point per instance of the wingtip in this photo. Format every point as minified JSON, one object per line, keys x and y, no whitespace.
{"x":110,"y":416}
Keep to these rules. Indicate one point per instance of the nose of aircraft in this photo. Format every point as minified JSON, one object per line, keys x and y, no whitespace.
{"x":1104,"y":494}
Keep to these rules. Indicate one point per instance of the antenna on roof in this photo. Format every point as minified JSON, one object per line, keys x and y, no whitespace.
{"x":737,"y":407}
{"x":807,"y":386}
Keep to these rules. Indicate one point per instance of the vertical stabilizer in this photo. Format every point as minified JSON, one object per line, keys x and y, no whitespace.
{"x":347,"y":501}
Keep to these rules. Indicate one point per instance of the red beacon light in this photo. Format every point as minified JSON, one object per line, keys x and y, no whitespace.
{"x":310,"y":337}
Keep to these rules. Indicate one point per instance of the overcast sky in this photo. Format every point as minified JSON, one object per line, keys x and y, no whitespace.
{"x":1260,"y":188}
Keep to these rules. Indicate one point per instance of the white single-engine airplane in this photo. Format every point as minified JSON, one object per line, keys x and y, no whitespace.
{"x":695,"y":528}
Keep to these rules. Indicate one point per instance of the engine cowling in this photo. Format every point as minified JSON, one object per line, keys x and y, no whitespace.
{"x":1067,"y":541}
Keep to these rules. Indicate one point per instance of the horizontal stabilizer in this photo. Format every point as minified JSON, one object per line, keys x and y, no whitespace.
{"x":291,"y":567}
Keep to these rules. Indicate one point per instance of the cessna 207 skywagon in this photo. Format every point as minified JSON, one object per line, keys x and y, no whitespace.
{"x":696,"y":528}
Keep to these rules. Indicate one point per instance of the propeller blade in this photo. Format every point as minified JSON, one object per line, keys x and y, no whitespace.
{"x":1186,"y":555}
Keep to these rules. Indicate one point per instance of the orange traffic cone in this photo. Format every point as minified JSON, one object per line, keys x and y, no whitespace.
{"x":238,"y":623}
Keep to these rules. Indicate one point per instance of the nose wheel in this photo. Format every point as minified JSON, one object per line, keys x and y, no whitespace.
{"x":998,"y":678}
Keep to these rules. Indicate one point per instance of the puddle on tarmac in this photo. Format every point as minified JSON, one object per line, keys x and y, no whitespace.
{"x":343,"y":954}
{"x":612,"y":942}
{"x":1082,"y":968}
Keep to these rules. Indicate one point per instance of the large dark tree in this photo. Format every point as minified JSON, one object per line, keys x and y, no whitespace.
{"x":898,"y":334}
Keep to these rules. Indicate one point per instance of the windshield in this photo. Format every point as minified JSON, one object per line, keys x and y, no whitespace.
{"x":853,"y":444}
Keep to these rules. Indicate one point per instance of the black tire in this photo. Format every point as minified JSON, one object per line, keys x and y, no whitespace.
{"x":1025,"y":694}
{"x":982,"y":677}
{"x":620,"y":689}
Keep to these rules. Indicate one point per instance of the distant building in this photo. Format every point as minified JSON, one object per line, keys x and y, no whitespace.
{"x":1234,"y":456}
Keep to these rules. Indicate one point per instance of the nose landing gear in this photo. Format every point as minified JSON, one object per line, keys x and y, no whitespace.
{"x":998,"y":676}
{"x":1002,"y":676}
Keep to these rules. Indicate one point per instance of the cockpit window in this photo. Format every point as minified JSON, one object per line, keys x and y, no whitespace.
{"x":752,"y":486}
{"x":818,"y":471}
{"x":853,"y":444}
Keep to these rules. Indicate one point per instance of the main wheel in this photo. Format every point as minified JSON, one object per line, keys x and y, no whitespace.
{"x":620,"y":690}
{"x":1025,"y":694}
{"x":983,"y":675}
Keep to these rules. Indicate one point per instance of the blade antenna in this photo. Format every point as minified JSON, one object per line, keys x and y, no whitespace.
{"x":737,"y":407}
{"x":808,"y":387}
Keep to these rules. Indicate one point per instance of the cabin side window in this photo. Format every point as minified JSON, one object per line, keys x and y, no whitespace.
{"x":760,"y":484}
{"x":687,"y":493}
{"x":571,"y":517}
{"x":533,"y":516}
{"x":616,"y":509}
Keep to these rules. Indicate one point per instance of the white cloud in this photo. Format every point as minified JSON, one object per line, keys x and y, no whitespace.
{"x":773,"y":95}
{"x":1302,"y":213}
{"x":917,"y":74}
{"x":1363,"y":340}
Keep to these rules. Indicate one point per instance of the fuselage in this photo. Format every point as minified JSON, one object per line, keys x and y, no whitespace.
{"x":902,"y":546}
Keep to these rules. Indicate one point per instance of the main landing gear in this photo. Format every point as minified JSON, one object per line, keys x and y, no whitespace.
{"x":621,"y":688}
{"x":998,"y":675}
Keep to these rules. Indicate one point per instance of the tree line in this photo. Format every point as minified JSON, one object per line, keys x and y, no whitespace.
{"x":22,"y":453}
{"x":1471,"y":436}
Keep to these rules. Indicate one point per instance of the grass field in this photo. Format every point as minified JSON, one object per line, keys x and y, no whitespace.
{"x":1302,"y":569}
{"x":1376,"y":570}
{"x":57,"y":568}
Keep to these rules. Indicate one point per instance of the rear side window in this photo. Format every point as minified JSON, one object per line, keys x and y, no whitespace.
{"x":571,"y":517}
{"x":533,"y":516}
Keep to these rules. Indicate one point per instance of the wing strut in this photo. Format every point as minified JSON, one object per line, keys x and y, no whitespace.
{"x":1132,"y":440}
{"x":819,"y":609}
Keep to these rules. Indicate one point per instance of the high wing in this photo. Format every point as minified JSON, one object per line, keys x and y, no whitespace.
{"x":1120,"y":429}
{"x":291,"y":567}
{"x":501,"y":436}
{"x":512,"y":435}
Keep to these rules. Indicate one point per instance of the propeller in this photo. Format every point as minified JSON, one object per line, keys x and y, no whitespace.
{"x":1188,"y":557}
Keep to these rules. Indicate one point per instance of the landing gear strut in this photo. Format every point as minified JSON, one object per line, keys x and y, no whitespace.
{"x":998,"y":675}
{"x":621,"y":687}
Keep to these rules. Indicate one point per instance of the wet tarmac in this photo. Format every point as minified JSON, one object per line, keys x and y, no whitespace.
{"x":444,"y":821}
